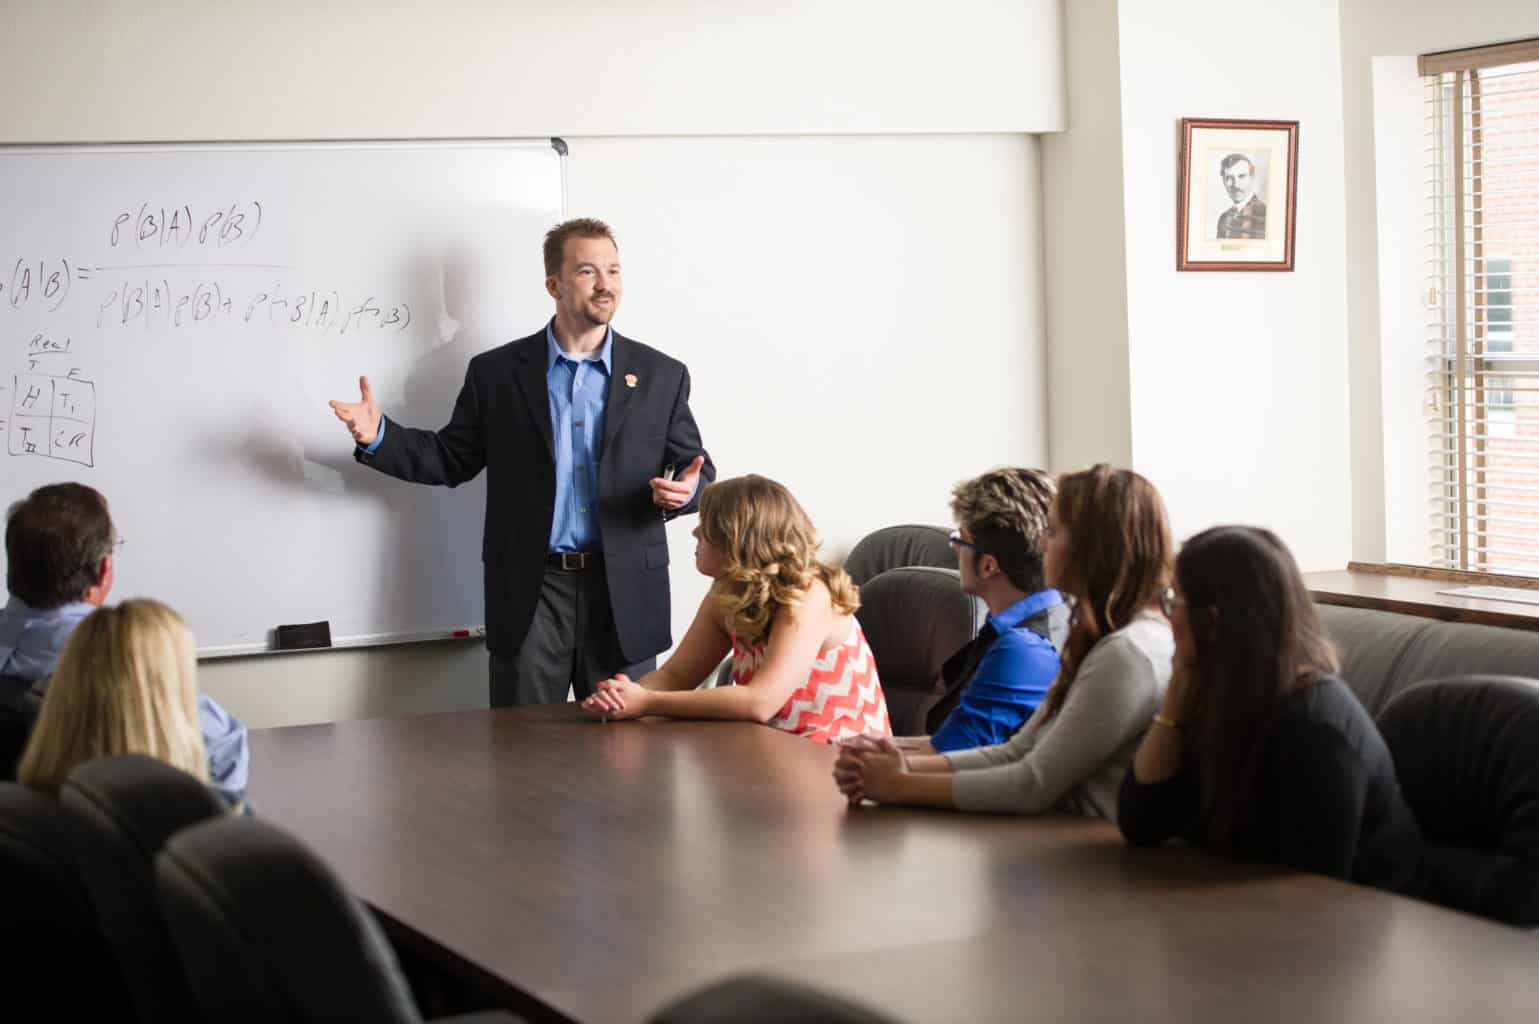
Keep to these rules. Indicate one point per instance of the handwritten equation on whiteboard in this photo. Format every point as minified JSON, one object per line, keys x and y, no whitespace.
{"x":157,"y":268}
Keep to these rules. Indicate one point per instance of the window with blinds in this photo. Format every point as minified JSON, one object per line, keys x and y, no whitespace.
{"x":1482,"y":257}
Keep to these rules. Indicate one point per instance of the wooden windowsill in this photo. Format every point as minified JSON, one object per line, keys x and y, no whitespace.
{"x":1413,"y":590}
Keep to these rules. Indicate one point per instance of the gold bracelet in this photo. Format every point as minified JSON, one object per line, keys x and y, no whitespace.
{"x":1169,"y":723}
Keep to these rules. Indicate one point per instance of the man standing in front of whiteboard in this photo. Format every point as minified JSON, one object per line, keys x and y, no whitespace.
{"x":589,"y":448}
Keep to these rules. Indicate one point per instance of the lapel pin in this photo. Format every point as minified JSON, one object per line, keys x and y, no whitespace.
{"x":630,"y":380}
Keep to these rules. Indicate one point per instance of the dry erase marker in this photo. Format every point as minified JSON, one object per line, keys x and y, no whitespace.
{"x":668,"y":474}
{"x":462,"y":634}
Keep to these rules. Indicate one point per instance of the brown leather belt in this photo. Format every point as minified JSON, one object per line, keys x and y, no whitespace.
{"x":573,"y":561}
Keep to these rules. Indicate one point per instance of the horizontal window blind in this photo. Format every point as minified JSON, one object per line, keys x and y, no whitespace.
{"x":1482,"y":298}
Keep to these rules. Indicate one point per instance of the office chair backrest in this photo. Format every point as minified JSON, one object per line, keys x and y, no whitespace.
{"x":18,"y":714}
{"x":267,"y":933}
{"x":61,"y":965}
{"x":892,"y":547}
{"x":914,"y":618}
{"x":756,"y":999}
{"x":128,"y":806}
{"x":1466,"y":752}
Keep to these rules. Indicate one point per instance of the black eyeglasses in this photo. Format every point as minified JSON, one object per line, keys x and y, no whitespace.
{"x":1170,"y":601}
{"x":956,"y":540}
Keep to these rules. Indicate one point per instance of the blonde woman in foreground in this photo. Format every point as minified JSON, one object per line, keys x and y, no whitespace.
{"x":126,"y":683}
{"x":1108,"y":550}
{"x":799,"y":659}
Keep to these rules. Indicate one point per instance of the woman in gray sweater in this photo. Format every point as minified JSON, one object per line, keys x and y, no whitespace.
{"x":1109,"y":550}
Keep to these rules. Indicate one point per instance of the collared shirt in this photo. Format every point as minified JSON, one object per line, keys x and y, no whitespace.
{"x":578,"y":389}
{"x":31,"y":640}
{"x":1245,"y":220}
{"x":1009,"y":682}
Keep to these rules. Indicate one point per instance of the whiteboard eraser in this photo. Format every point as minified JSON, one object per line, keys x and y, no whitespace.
{"x":303,"y":635}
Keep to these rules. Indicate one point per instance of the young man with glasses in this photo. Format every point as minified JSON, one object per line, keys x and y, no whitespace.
{"x":995,"y":682}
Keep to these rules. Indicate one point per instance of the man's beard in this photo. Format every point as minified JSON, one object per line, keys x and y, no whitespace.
{"x":598,"y":316}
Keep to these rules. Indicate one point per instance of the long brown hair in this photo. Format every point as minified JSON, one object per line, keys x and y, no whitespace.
{"x":770,"y":551}
{"x":1116,"y":563}
{"x":1257,"y":638}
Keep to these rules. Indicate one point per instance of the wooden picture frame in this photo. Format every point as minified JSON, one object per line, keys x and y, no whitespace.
{"x":1236,"y":203}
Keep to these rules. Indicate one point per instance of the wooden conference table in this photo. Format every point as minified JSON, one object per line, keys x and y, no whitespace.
{"x":595,"y":871}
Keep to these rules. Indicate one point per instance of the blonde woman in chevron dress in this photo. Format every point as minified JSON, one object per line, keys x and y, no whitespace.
{"x":800,"y":660}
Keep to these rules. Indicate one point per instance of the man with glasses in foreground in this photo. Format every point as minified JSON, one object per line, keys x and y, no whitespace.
{"x":995,"y":682}
{"x":60,"y":546}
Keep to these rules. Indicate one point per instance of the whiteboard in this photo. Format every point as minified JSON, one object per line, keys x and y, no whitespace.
{"x":173,"y":320}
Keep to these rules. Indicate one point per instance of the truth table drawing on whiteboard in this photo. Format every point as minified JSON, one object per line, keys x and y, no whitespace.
{"x":52,"y":416}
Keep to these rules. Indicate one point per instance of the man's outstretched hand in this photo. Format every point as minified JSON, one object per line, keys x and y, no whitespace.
{"x":362,"y":416}
{"x":675,"y":493}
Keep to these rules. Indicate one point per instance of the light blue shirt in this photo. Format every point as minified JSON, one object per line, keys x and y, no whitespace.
{"x":578,"y":389}
{"x":31,"y":640}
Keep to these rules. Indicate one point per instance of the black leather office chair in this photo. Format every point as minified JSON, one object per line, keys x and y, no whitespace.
{"x":1466,"y":751}
{"x":18,"y":713}
{"x":60,"y":965}
{"x":128,"y":806}
{"x":268,"y":934}
{"x":895,"y":546}
{"x":755,"y":999}
{"x":914,"y":618}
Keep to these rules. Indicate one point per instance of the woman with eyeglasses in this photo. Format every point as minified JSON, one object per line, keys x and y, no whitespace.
{"x":800,"y":661}
{"x":1108,"y":550}
{"x":1259,"y":750}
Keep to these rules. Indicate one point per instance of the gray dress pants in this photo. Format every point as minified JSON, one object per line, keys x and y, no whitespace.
{"x":571,"y":644}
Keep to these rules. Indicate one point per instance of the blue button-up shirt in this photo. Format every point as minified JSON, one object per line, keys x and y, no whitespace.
{"x":1010,"y":681}
{"x":578,"y":389}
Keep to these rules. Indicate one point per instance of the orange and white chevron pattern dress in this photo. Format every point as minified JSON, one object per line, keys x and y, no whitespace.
{"x":841,"y":698}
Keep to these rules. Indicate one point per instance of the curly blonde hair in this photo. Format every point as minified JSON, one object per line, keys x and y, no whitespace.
{"x":770,"y":555}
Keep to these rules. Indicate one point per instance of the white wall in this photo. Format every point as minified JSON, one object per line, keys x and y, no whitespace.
{"x":861,"y":311}
{"x":1088,"y":401}
{"x":1239,"y":398}
{"x":861,"y":317}
{"x":299,"y":687}
{"x":1235,"y":402}
{"x":118,"y":70}
{"x":1378,"y":362}
{"x":1400,"y":186}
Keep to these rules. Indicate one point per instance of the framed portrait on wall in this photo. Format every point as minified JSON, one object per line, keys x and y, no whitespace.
{"x":1237,"y":198}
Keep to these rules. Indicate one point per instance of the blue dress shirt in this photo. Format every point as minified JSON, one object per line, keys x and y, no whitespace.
{"x":31,"y":640}
{"x":1009,"y":682}
{"x":578,"y":389}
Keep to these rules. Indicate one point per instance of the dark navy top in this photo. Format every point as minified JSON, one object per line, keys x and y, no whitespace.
{"x":1325,"y":797}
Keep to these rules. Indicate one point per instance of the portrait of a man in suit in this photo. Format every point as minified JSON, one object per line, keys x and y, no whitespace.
{"x":1245,"y":216}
